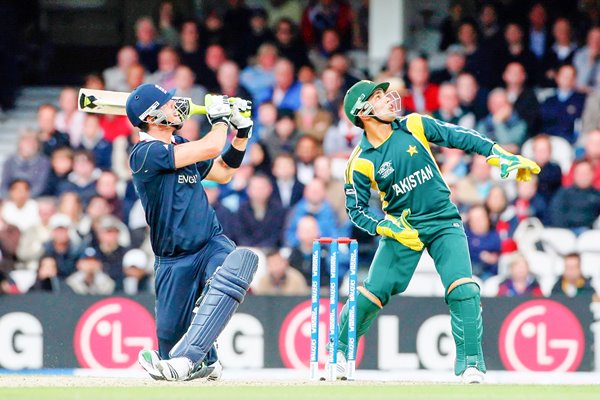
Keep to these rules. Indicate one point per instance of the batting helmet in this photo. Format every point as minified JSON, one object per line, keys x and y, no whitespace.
{"x":358,"y":95}
{"x":145,"y":99}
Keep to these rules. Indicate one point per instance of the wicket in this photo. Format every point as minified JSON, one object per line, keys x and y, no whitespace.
{"x":333,"y":307}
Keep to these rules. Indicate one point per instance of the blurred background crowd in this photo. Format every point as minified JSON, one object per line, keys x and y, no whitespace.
{"x":524,"y":73}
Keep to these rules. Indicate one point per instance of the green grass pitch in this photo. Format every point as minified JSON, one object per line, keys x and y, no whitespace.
{"x":363,"y":391}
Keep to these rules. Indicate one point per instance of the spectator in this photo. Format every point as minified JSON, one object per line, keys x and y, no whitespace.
{"x":572,"y":283}
{"x":491,"y":34}
{"x":519,"y":282}
{"x":326,"y":15}
{"x":259,"y":34}
{"x":236,"y":29}
{"x":7,"y":285}
{"x":529,"y":202}
{"x":590,"y":117}
{"x":214,"y":57}
{"x":228,"y":76}
{"x":61,"y":165}
{"x":287,"y":189}
{"x":332,"y":95}
{"x":329,"y":44}
{"x":560,"y":111}
{"x":137,"y":272}
{"x":300,"y":258}
{"x":455,"y":64}
{"x":484,"y":242}
{"x":69,"y":119}
{"x":190,"y":50}
{"x":341,"y":138}
{"x":185,"y":87}
{"x":212,"y":31}
{"x":342,"y":64}
{"x":450,"y":24}
{"x":450,"y":109}
{"x":538,"y":38}
{"x":307,"y":151}
{"x":267,"y":117}
{"x":285,"y":136}
{"x":107,"y":188}
{"x":475,"y":187}
{"x":561,"y":52}
{"x":503,"y":216}
{"x":10,"y":236}
{"x":261,"y":217}
{"x":281,"y":279}
{"x":167,"y":20}
{"x":477,"y":59}
{"x":472,"y":97}
{"x":517,"y":51}
{"x":168,"y":61}
{"x":423,"y":95}
{"x":334,"y":187}
{"x":146,"y":44}
{"x":89,"y":222}
{"x":20,"y":210}
{"x":592,"y":155}
{"x":550,"y":177}
{"x":522,"y":98}
{"x":503,"y":124}
{"x":260,"y":77}
{"x":225,"y":217}
{"x":89,"y":277}
{"x":311,"y":119}
{"x":27,"y":164}
{"x":69,"y":203}
{"x":313,"y":203}
{"x":578,"y":206}
{"x":47,"y":276}
{"x":110,"y":253}
{"x":288,"y":44}
{"x":94,"y":142}
{"x":83,"y":178}
{"x":285,"y":93}
{"x":50,"y":139}
{"x":234,"y":193}
{"x":60,"y":246}
{"x":115,"y":77}
{"x":587,"y":61}
{"x":395,"y":65}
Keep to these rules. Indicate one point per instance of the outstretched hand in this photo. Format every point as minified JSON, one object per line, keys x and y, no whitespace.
{"x":508,"y":162}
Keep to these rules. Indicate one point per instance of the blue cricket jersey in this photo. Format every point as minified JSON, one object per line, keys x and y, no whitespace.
{"x":181,"y":219}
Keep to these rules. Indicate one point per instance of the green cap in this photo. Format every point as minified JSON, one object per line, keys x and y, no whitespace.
{"x":358,"y":95}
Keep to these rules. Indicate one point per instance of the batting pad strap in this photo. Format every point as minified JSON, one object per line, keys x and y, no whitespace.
{"x":231,"y":285}
{"x":459,"y":282}
{"x":374,"y":299}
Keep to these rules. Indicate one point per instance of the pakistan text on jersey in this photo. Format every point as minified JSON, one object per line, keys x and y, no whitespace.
{"x":413,"y":180}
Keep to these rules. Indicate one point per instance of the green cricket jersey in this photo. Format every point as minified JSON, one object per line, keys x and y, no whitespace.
{"x":402,"y":169}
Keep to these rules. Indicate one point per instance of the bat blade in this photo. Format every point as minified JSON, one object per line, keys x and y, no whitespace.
{"x":102,"y":101}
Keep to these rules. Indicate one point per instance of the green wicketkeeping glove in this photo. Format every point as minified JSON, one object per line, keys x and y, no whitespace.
{"x":400,"y":230}
{"x":509,"y":162}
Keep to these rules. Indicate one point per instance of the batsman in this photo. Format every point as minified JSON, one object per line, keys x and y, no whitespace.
{"x":394,"y":158}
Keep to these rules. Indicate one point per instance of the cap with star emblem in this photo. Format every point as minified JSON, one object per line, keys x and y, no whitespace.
{"x":357,"y":97}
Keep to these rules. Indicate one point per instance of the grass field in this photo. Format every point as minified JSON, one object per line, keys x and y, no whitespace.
{"x":347,"y":391}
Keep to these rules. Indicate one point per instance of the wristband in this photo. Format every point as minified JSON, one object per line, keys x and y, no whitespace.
{"x":233,"y":157}
{"x":244,"y":133}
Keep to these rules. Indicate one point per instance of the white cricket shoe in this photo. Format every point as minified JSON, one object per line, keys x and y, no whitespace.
{"x":149,"y":360}
{"x":176,"y":369}
{"x":341,"y":369}
{"x":472,"y":375}
{"x":217,"y":371}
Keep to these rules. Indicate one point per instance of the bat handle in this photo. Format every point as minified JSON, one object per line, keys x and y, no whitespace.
{"x":196,"y":109}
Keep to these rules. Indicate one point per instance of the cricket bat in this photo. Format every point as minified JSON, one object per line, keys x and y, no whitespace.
{"x":109,"y":102}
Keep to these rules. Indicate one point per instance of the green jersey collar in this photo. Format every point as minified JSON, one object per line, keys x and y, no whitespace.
{"x":364,"y":142}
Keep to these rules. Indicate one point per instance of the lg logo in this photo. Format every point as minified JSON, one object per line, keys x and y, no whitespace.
{"x":112,"y":332}
{"x":541,"y":335}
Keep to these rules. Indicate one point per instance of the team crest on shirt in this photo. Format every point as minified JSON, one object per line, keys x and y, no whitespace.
{"x":385,"y":170}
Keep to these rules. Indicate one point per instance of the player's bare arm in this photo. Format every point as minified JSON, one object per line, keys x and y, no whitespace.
{"x":221,"y":172}
{"x":209,"y":147}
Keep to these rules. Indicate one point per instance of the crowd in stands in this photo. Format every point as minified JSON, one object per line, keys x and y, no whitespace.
{"x":526,"y":77}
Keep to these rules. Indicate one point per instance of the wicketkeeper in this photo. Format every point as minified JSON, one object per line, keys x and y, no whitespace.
{"x":394,"y":158}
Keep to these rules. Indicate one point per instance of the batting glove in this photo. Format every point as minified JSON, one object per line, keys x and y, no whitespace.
{"x":509,"y":162}
{"x":218,"y":109}
{"x":400,"y":230}
{"x":240,"y":122}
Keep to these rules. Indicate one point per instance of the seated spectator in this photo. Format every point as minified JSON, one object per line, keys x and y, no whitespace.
{"x":332,"y":93}
{"x":115,"y":77}
{"x":168,"y":17}
{"x":300,"y":258}
{"x":591,"y":154}
{"x":50,"y":139}
{"x":519,"y":282}
{"x":110,"y":253}
{"x":516,"y":51}
{"x":484,"y":242}
{"x":538,"y":36}
{"x":334,"y":188}
{"x":395,"y":65}
{"x":522,"y":98}
{"x":285,"y":93}
{"x":265,"y":126}
{"x":190,"y":50}
{"x":258,"y":78}
{"x":69,"y":119}
{"x":285,"y":136}
{"x":184,"y":83}
{"x":576,"y":207}
{"x":260,"y":218}
{"x":137,"y":272}
{"x":47,"y":276}
{"x":146,"y":44}
{"x":450,"y":109}
{"x":529,"y":203}
{"x":228,"y":77}
{"x":10,"y":236}
{"x":550,"y":177}
{"x":136,"y":75}
{"x":287,"y":189}
{"x":454,"y":66}
{"x":94,"y":142}
{"x":106,"y":187}
{"x":7,"y":285}
{"x":259,"y":34}
{"x":475,"y":187}
{"x":560,"y":111}
{"x":502,"y":214}
{"x":20,"y":210}
{"x":342,"y":137}
{"x":311,"y":119}
{"x":84,"y":176}
{"x":60,"y":246}
{"x":168,"y":61}
{"x":69,"y":203}
{"x":572,"y":283}
{"x":214,"y":57}
{"x":313,"y":203}
{"x":306,"y":152}
{"x":481,"y":60}
{"x":289,"y":44}
{"x":322,"y":16}
{"x":423,"y":95}
{"x":234,"y":193}
{"x":587,"y":62}
{"x":27,"y":164}
{"x":561,"y":52}
{"x":503,"y":125}
{"x":329,"y":44}
{"x":281,"y":279}
{"x":89,"y":222}
{"x":472,"y":97}
{"x":89,"y":277}
{"x":226,"y":218}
